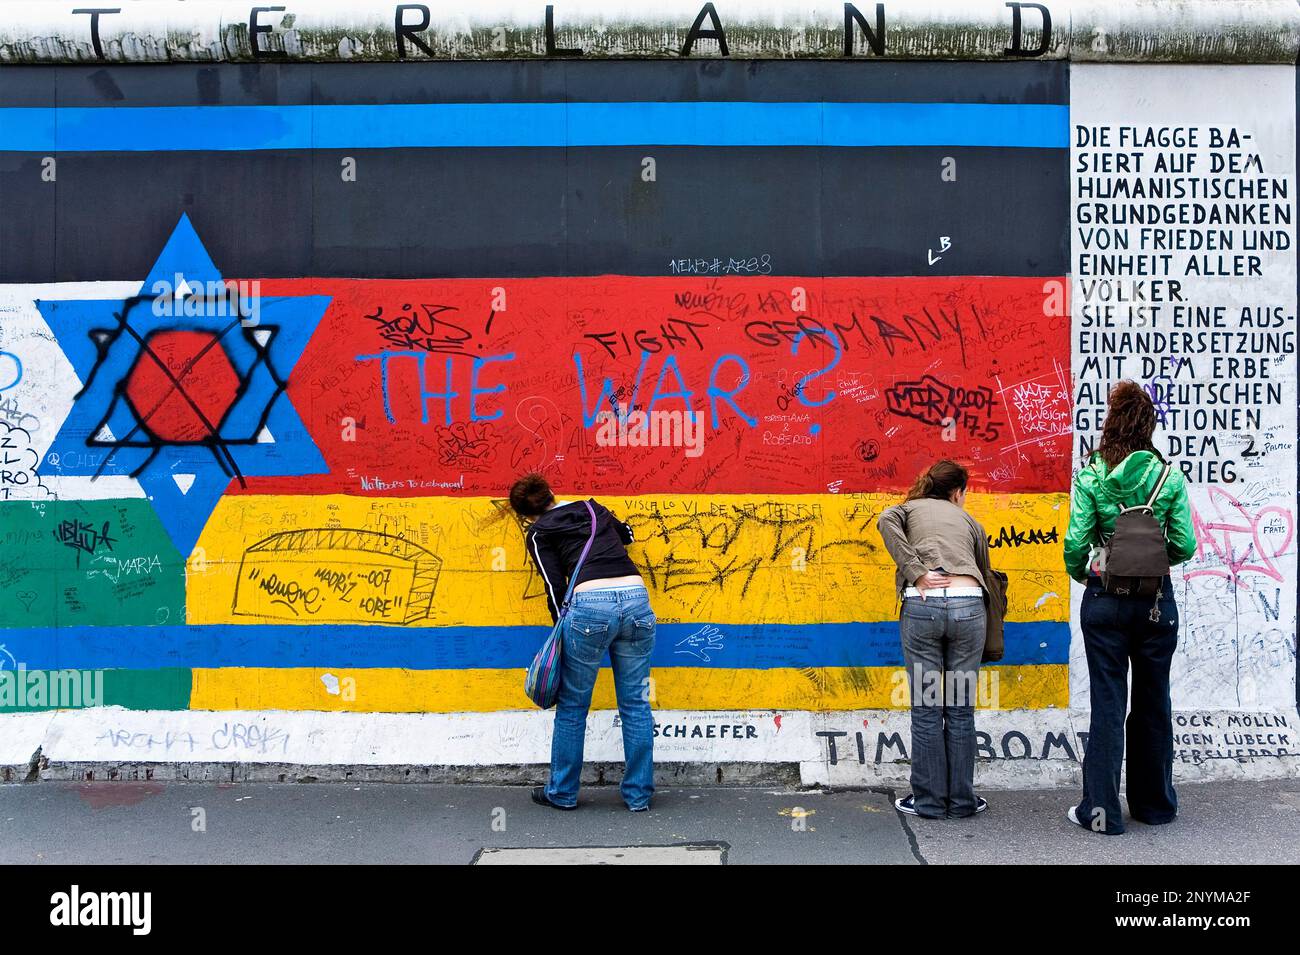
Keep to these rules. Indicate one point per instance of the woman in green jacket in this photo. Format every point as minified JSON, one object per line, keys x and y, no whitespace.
{"x":1119,"y":630}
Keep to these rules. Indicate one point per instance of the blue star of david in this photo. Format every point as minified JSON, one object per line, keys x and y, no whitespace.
{"x":260,"y":434}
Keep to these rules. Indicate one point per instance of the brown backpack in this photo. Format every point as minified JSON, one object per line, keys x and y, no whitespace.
{"x":1134,"y":559}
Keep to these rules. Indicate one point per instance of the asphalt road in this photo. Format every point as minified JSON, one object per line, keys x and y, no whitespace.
{"x":129,"y":823}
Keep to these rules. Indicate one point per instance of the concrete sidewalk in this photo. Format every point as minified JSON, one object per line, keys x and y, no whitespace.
{"x":131,"y":823}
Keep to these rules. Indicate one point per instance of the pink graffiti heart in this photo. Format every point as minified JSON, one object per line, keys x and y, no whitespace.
{"x":1235,"y":540}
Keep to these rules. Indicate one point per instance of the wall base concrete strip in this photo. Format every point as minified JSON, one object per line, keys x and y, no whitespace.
{"x":21,"y":738}
{"x":784,"y":775}
{"x":153,"y":31}
{"x":989,"y":774}
{"x":1018,"y":749}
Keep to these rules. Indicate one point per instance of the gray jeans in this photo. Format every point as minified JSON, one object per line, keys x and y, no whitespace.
{"x":943,"y":640}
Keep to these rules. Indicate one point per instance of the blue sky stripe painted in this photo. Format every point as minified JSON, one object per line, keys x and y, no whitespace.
{"x":735,"y":646}
{"x":380,"y":126}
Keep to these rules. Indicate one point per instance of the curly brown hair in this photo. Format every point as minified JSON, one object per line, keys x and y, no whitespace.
{"x":531,"y":495}
{"x":1129,"y":425}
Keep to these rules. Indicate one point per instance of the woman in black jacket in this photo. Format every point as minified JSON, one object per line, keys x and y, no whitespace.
{"x":610,"y":613}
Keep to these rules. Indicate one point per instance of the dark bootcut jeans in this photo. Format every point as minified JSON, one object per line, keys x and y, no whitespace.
{"x":1118,"y":631}
{"x":943,"y":640}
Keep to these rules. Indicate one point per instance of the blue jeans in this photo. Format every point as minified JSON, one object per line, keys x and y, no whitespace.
{"x":618,"y":620}
{"x":1117,"y":632}
{"x":943,"y":640}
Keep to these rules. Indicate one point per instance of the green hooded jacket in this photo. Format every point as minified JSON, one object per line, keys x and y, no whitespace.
{"x":1099,"y":493}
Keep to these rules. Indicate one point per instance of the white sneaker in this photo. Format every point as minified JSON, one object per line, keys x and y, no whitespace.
{"x":906,"y":805}
{"x":1073,"y":816}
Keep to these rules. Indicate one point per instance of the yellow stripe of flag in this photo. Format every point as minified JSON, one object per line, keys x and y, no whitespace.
{"x":443,"y":561}
{"x":674,"y":688}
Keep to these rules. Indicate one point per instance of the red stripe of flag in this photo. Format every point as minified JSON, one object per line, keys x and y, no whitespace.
{"x":802,"y":385}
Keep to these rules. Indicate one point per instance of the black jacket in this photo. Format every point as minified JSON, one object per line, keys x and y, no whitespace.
{"x":555,"y":541}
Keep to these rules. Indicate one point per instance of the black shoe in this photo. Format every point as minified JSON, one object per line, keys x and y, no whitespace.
{"x":907,"y":805}
{"x":540,"y":797}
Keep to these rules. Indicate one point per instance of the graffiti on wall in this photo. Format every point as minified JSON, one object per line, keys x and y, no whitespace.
{"x":180,"y":387}
{"x":256,"y":461}
{"x":1185,"y":281}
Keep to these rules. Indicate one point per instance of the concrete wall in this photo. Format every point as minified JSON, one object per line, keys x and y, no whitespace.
{"x":158,"y":31}
{"x":276,"y":336}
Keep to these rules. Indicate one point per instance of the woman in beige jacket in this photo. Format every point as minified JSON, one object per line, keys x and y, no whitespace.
{"x":942,"y":557}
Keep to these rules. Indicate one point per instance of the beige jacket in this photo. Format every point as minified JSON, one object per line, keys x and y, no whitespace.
{"x":929,"y":534}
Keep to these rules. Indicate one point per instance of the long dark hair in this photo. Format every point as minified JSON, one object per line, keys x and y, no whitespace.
{"x":1130,"y":423}
{"x":940,"y":480}
{"x":531,"y":495}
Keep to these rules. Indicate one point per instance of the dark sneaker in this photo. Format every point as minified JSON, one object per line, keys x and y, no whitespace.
{"x":981,"y":804}
{"x":907,"y":805}
{"x":1073,"y":816}
{"x":540,"y":797}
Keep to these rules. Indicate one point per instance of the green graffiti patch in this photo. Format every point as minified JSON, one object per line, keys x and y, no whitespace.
{"x":87,"y":563}
{"x":163,"y":689}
